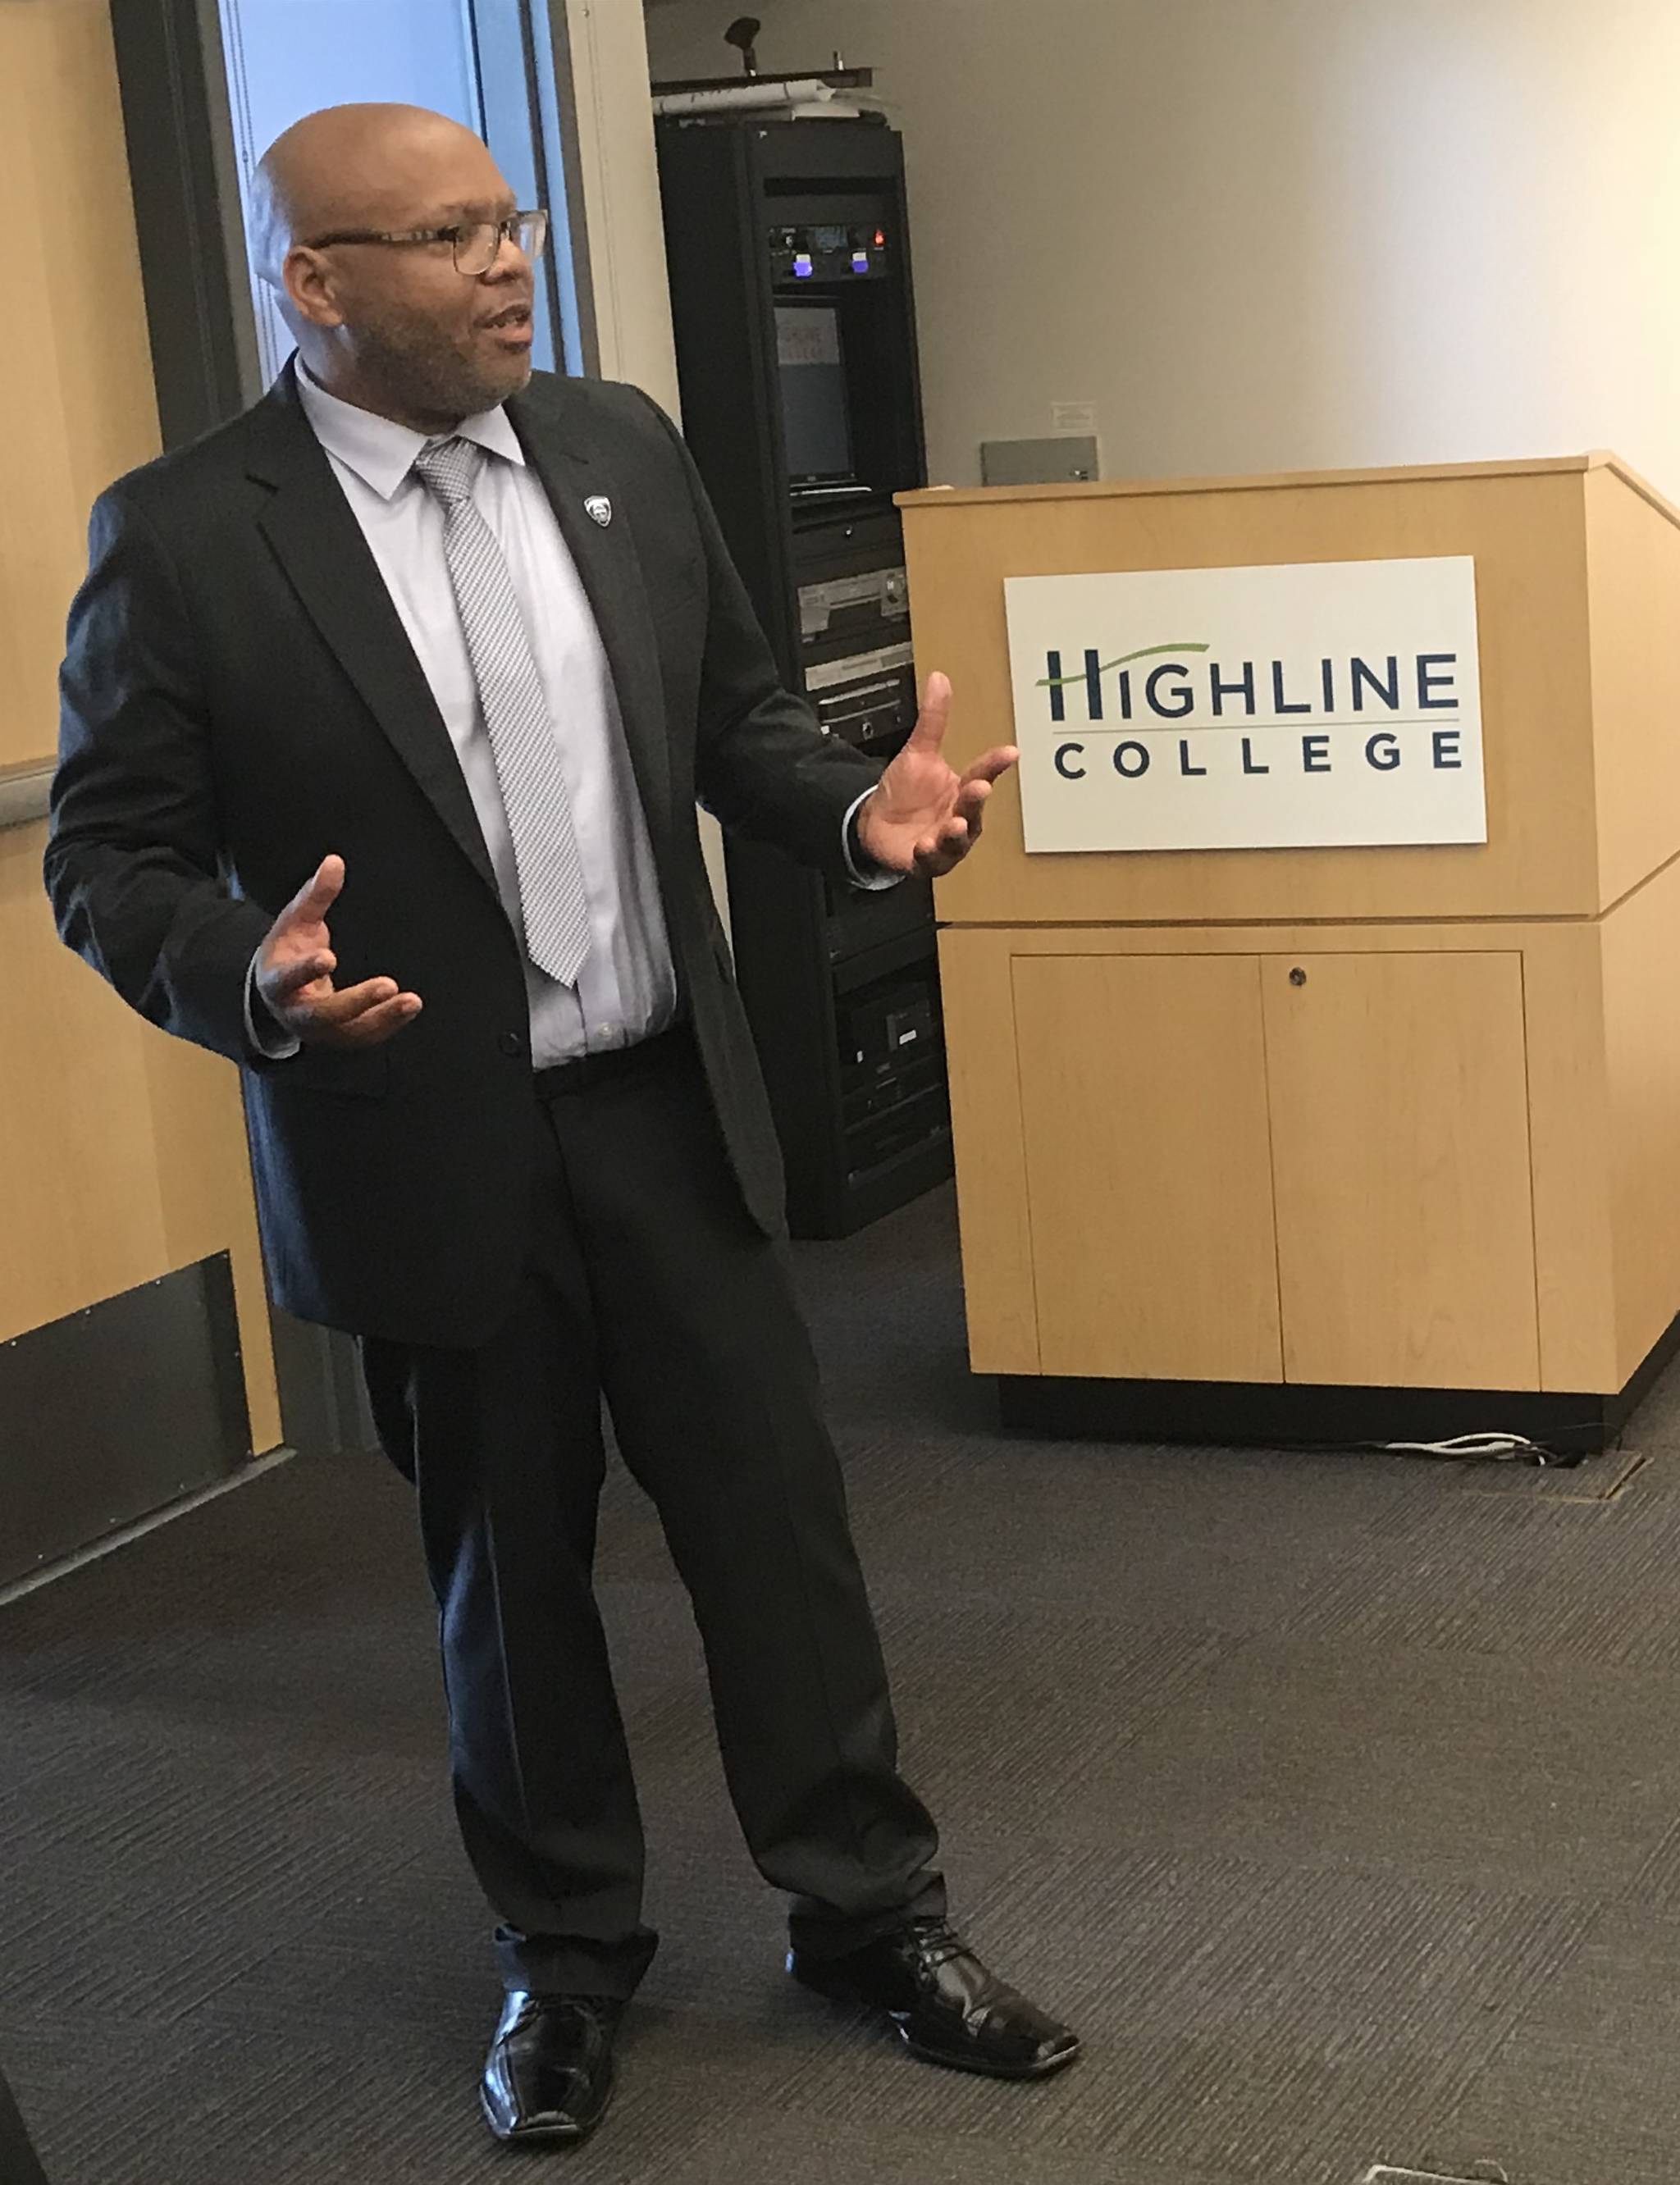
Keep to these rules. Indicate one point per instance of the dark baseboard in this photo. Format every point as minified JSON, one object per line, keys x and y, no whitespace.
{"x":1251,"y":1414}
{"x":324,"y":1406}
{"x":116,"y":1412}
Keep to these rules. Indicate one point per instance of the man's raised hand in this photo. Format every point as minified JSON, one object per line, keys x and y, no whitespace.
{"x":925,"y":817}
{"x":295,"y":975}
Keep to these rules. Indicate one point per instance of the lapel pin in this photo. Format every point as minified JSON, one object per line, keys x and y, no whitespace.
{"x":599,"y":508}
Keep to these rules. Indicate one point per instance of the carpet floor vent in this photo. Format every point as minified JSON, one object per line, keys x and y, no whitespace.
{"x":1384,"y":2173}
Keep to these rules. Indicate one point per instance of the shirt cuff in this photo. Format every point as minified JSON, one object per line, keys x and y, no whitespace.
{"x":864,"y":872}
{"x":271,"y":1043}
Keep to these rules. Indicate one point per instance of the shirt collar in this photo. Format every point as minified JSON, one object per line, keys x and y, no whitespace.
{"x":382,"y":452}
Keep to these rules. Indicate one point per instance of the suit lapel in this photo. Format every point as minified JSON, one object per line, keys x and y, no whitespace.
{"x":310,"y":527}
{"x":610,"y":571}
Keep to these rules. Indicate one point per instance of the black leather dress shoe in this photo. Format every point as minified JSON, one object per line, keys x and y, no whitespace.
{"x":549,"y":2077}
{"x":949,"y":2008}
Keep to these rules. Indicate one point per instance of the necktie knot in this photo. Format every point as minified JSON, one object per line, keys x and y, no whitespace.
{"x":448,"y":468}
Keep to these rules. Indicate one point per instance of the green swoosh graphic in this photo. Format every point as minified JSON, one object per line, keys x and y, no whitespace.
{"x":1144,"y":652}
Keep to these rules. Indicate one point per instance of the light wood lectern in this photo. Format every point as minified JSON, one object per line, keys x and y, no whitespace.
{"x":1344,"y":1144}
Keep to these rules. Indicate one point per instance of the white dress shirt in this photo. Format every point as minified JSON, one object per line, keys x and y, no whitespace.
{"x":626,"y":991}
{"x":627,"y":987}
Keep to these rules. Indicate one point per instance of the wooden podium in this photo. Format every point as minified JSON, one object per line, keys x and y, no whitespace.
{"x":1332,"y":1144}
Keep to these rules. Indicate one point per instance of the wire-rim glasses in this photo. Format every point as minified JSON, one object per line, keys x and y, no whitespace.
{"x":476,"y":245}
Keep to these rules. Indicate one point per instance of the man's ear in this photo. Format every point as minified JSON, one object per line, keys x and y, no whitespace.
{"x":310,"y":288}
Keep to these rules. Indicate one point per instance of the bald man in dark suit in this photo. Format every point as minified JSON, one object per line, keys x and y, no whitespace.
{"x":386,"y":710}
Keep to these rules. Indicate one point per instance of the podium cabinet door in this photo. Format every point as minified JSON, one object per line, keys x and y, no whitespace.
{"x":1143,"y":1108}
{"x":1400,"y":1149}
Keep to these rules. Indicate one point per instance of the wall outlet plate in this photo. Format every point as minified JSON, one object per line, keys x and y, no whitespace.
{"x":1063,"y":458}
{"x":1073,"y":418}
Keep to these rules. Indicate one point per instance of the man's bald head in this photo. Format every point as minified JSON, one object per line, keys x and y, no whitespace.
{"x":393,"y":324}
{"x":364,"y":165}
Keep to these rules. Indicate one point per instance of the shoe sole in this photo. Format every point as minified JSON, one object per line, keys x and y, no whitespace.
{"x":839,"y":1991}
{"x":1045,"y":2070}
{"x":548,"y":2135}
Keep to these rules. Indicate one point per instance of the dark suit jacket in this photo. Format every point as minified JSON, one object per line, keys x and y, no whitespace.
{"x":239,"y":699}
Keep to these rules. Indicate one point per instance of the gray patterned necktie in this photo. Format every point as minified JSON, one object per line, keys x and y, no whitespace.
{"x":534,"y":793}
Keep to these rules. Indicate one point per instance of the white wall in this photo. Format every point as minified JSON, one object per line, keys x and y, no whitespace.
{"x":601,"y":52}
{"x":1276,"y":234}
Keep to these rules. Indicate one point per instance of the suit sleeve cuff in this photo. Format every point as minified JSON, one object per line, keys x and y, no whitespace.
{"x":265,"y":1038}
{"x":862,"y":869}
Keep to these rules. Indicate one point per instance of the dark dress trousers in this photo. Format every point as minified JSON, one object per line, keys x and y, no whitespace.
{"x":240,"y":699}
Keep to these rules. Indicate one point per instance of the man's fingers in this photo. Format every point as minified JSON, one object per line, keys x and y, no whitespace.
{"x":333,"y":1015}
{"x":334,"y":1007}
{"x":379,"y":1021}
{"x":317,"y":895}
{"x":929,"y":732}
{"x":993,"y":765}
{"x":937,"y":853}
{"x":281,"y":984}
{"x":343,"y":1007}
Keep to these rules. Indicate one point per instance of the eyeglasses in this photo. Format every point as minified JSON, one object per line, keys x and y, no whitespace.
{"x":476,"y":243}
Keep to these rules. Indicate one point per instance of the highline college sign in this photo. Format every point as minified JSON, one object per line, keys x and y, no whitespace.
{"x":1297,"y":705}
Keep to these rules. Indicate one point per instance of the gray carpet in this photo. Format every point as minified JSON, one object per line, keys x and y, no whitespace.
{"x":1336,"y":1797}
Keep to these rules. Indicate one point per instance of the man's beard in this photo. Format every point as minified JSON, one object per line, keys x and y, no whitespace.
{"x":429,"y":375}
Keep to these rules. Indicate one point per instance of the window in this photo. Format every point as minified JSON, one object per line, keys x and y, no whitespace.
{"x":485,"y":63}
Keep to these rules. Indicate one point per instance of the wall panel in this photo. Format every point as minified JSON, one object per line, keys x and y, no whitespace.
{"x":121,"y":1152}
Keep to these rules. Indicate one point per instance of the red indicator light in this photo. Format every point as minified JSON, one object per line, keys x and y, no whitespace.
{"x":880,"y":239}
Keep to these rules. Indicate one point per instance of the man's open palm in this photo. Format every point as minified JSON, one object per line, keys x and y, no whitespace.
{"x":295,"y":975}
{"x":925,"y":817}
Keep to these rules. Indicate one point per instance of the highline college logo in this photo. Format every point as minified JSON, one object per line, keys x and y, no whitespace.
{"x":1321,"y":704}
